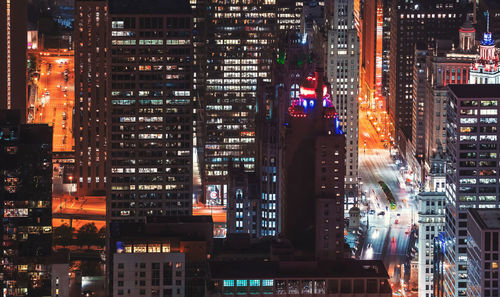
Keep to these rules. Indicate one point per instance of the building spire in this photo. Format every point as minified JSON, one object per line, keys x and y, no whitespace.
{"x":487,"y":14}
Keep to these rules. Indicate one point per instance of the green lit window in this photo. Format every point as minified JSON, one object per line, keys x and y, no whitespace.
{"x":267,"y":282}
{"x":228,"y":283}
{"x":241,"y":283}
{"x":254,"y":283}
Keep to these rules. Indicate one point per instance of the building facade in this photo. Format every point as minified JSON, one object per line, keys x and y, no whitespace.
{"x":343,"y":76}
{"x":13,"y":46}
{"x":150,"y":133}
{"x":472,"y":171}
{"x":486,"y":68}
{"x":274,"y":278}
{"x":315,"y":225}
{"x":26,"y":210}
{"x":431,"y":214}
{"x":412,"y":23}
{"x":240,"y":51}
{"x":89,"y":119}
{"x":483,"y":232}
{"x":446,"y":65}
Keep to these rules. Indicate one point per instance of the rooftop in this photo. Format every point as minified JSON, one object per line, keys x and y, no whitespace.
{"x":134,"y":7}
{"x":476,"y":91}
{"x":486,"y":218}
{"x":298,"y":269}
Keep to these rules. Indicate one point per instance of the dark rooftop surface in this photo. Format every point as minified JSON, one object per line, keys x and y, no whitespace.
{"x":298,"y":269}
{"x":476,"y":91}
{"x":486,"y":218}
{"x":136,"y":7}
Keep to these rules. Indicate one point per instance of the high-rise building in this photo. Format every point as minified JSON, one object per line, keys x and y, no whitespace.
{"x":415,"y":153}
{"x":243,"y":203}
{"x":483,"y":233}
{"x":343,"y":77}
{"x":150,"y":133}
{"x":446,"y":65}
{"x":240,"y":50}
{"x":472,"y":171}
{"x":431,"y":206}
{"x":371,"y":53}
{"x":313,"y":216}
{"x":89,"y":119}
{"x":411,"y":23}
{"x":13,"y":45}
{"x":26,"y":210}
{"x":288,"y":15}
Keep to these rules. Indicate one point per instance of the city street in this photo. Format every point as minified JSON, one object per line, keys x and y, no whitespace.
{"x":55,"y":98}
{"x":388,"y":230}
{"x":92,"y":205}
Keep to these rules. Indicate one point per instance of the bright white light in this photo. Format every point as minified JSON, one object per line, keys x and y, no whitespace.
{"x":369,"y":253}
{"x":375,"y":234}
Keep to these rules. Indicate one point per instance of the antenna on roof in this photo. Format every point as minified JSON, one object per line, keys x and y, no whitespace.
{"x":487,"y":14}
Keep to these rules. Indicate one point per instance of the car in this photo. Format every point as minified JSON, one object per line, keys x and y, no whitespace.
{"x":372,"y":211}
{"x":64,"y":115}
{"x":382,"y":213}
{"x":398,"y":214}
{"x":369,"y":245}
{"x":88,"y":293}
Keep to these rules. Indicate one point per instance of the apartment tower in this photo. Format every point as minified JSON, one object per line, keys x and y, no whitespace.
{"x":89,"y":119}
{"x":472,"y":171}
{"x":13,"y":45}
{"x":149,"y":110}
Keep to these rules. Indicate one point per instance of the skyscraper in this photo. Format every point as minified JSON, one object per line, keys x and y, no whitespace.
{"x":240,"y":50}
{"x":411,"y":23}
{"x":483,"y":233}
{"x":472,"y":171}
{"x":89,"y":128}
{"x":13,"y":32}
{"x":26,"y":210}
{"x":314,"y":173}
{"x":445,"y":65}
{"x":150,"y":131}
{"x":343,"y":76}
{"x":371,"y":52}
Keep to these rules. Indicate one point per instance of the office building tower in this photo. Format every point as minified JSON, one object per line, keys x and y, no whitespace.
{"x":13,"y":45}
{"x":313,"y":216}
{"x":483,"y":230}
{"x":486,"y":68}
{"x":243,"y":201}
{"x":26,"y":210}
{"x":411,"y":23}
{"x":415,"y":152}
{"x":446,"y":65}
{"x":240,"y":50}
{"x":386,"y":48}
{"x":89,"y":119}
{"x":371,"y":53}
{"x":472,"y":170}
{"x":273,"y":100}
{"x":343,"y":77}
{"x":288,"y":15}
{"x":149,"y":110}
{"x":431,"y":206}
